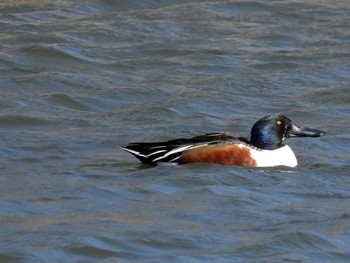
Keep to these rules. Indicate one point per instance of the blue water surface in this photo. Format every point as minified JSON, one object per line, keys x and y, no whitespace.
{"x":78,"y":79}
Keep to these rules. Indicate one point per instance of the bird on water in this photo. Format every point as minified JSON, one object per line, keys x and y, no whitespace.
{"x":265,"y":148}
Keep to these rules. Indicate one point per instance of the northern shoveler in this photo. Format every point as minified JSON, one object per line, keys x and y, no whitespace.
{"x":264,"y":149}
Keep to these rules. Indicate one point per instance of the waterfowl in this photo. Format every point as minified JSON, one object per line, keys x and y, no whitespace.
{"x":265,"y":148}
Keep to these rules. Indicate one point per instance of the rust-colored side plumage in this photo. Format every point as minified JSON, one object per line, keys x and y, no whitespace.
{"x":229,"y":154}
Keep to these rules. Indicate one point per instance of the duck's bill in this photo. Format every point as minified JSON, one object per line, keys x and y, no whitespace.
{"x":298,"y":131}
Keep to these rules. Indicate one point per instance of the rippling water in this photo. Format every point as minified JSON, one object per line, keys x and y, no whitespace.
{"x":80,"y":78}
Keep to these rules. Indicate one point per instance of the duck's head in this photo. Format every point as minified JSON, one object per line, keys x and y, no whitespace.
{"x":270,"y":131}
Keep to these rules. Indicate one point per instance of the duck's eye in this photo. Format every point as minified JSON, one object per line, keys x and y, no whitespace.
{"x":278,"y":122}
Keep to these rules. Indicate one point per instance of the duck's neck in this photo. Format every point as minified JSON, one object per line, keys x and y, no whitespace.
{"x":264,"y":140}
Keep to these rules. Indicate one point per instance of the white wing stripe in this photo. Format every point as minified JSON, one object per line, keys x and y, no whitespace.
{"x":160,"y":151}
{"x":179,"y":149}
{"x":158,"y":147}
{"x":176,"y":150}
{"x":134,"y":152}
{"x":174,"y":159}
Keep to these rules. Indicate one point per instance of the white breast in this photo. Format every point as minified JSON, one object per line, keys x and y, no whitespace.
{"x":267,"y":158}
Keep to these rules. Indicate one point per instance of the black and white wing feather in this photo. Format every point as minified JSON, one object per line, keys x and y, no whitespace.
{"x":170,"y":151}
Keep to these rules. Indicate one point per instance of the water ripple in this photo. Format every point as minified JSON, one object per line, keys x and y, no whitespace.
{"x":80,"y":78}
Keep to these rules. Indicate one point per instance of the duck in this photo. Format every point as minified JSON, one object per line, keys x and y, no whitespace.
{"x":265,"y":148}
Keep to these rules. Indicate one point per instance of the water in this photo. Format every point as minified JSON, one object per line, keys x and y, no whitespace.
{"x":80,"y":78}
